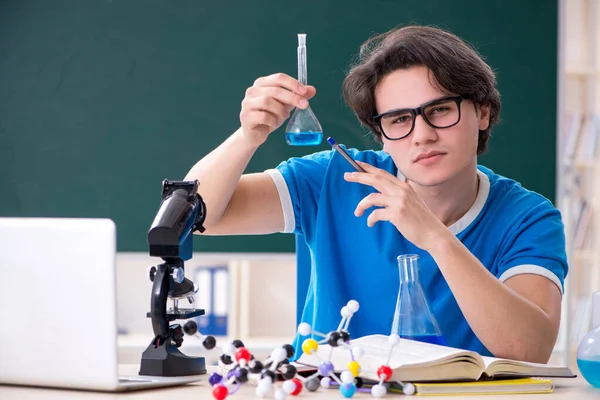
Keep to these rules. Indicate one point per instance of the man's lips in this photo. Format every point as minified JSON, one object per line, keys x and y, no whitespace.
{"x":428,"y":155}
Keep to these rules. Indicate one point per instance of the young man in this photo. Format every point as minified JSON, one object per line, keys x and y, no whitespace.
{"x":492,"y":254}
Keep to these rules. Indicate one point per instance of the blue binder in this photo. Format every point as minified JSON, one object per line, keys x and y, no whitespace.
{"x":213,"y":294}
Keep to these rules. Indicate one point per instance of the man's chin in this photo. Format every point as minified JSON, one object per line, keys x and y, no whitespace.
{"x":430,"y":179}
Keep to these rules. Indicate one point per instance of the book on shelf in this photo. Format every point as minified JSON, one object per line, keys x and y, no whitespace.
{"x":582,"y":225}
{"x":413,"y":361}
{"x":581,"y":320}
{"x":588,"y":138}
{"x":572,"y":133}
{"x":595,"y":132}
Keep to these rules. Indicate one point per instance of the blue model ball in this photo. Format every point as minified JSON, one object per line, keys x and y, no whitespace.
{"x":347,"y":389}
{"x":325,"y":368}
{"x":214,"y":378}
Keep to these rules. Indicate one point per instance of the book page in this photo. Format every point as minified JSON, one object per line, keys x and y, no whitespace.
{"x":499,"y":366}
{"x":407,"y":353}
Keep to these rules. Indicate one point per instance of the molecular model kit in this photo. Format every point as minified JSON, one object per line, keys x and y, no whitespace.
{"x":238,"y":366}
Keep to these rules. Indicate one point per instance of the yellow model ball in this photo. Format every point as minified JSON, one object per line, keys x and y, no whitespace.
{"x":353,"y":367}
{"x":309,"y":346}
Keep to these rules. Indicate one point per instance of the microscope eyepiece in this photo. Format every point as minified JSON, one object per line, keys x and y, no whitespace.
{"x":181,"y":212}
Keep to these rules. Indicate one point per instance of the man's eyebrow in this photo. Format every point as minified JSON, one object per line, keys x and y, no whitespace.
{"x":396,"y":109}
{"x":409,"y":108}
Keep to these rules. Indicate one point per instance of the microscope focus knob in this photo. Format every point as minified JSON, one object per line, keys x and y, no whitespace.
{"x":151,"y":273}
{"x":178,"y":275}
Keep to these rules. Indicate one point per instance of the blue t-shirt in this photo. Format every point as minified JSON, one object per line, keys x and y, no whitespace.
{"x":511,"y":230}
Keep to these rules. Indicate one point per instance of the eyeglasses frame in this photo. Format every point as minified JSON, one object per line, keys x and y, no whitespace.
{"x":420,"y":111}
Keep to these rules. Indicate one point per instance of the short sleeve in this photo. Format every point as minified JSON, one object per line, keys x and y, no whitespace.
{"x":299,"y":182}
{"x":536,"y":245}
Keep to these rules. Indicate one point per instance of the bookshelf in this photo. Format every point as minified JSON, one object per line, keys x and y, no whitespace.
{"x":578,"y":165}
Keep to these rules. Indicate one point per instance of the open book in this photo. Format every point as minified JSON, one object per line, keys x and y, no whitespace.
{"x":413,"y":361}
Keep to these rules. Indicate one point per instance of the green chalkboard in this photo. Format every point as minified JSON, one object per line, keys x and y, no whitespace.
{"x":102,"y":100}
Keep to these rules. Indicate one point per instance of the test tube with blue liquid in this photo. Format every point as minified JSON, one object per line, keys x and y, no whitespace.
{"x":303,"y":128}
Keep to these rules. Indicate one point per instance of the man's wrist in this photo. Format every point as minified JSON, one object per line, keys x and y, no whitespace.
{"x":246,"y":140}
{"x":442,"y":243}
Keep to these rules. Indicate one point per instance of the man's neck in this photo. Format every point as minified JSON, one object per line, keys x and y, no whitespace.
{"x":450,"y":201}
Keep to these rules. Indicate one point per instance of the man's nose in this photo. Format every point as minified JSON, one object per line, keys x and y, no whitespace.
{"x":423,"y":132}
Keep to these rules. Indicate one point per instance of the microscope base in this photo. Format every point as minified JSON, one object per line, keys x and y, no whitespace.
{"x":167,"y":360}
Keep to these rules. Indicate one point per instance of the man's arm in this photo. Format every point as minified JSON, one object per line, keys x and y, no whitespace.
{"x":517,"y":319}
{"x":236,"y":203}
{"x":248,"y":204}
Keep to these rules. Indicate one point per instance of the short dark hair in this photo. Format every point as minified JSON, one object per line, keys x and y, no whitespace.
{"x":457,"y":68}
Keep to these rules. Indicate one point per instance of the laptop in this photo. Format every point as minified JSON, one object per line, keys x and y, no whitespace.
{"x":58,"y":308}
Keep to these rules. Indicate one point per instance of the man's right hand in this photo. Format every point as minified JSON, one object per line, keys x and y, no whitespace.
{"x":268,"y":104}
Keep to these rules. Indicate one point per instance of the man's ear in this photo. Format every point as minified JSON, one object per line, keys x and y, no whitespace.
{"x":484,"y":116}
{"x":384,"y":148}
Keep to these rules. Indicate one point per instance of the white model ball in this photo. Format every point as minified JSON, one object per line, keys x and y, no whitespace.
{"x":326,"y":382}
{"x":346,"y":312}
{"x":394,"y":339}
{"x":280,"y":394}
{"x":347,"y":376}
{"x":378,"y":391}
{"x":357,"y":352}
{"x":228,"y":348}
{"x":353,"y":305}
{"x":408,"y":389}
{"x":289,"y":386}
{"x":304,"y":329}
{"x":260,"y":392}
{"x":265,"y":384}
{"x":278,"y":355}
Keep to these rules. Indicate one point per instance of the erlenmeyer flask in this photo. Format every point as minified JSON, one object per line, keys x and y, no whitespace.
{"x":303,"y":128}
{"x":588,"y":352}
{"x":413,"y":318}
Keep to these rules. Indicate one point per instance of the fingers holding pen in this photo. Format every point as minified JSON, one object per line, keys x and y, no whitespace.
{"x":380,"y":214}
{"x":372,"y":200}
{"x":376,"y":181}
{"x":379,"y":179}
{"x":379,"y":172}
{"x":387,"y":208}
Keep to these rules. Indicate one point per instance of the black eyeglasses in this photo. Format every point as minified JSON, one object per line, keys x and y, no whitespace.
{"x":439,"y":113}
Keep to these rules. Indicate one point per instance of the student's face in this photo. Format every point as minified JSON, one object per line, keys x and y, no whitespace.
{"x":457,"y":145}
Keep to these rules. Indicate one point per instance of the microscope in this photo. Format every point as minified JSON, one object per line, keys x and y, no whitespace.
{"x":182,"y":211}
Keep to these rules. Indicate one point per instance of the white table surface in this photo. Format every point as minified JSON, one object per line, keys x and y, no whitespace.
{"x":572,"y":389}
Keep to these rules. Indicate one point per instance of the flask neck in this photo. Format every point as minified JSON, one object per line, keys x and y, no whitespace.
{"x":408,"y":268}
{"x":302,"y":69}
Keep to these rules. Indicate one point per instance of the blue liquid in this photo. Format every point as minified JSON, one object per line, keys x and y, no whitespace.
{"x":433,"y":339}
{"x":304,"y":138}
{"x":590,"y":371}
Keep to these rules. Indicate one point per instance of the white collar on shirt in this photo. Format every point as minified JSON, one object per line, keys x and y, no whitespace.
{"x":473,"y":212}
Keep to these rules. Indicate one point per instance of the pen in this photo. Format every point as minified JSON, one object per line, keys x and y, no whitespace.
{"x":344,"y":154}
